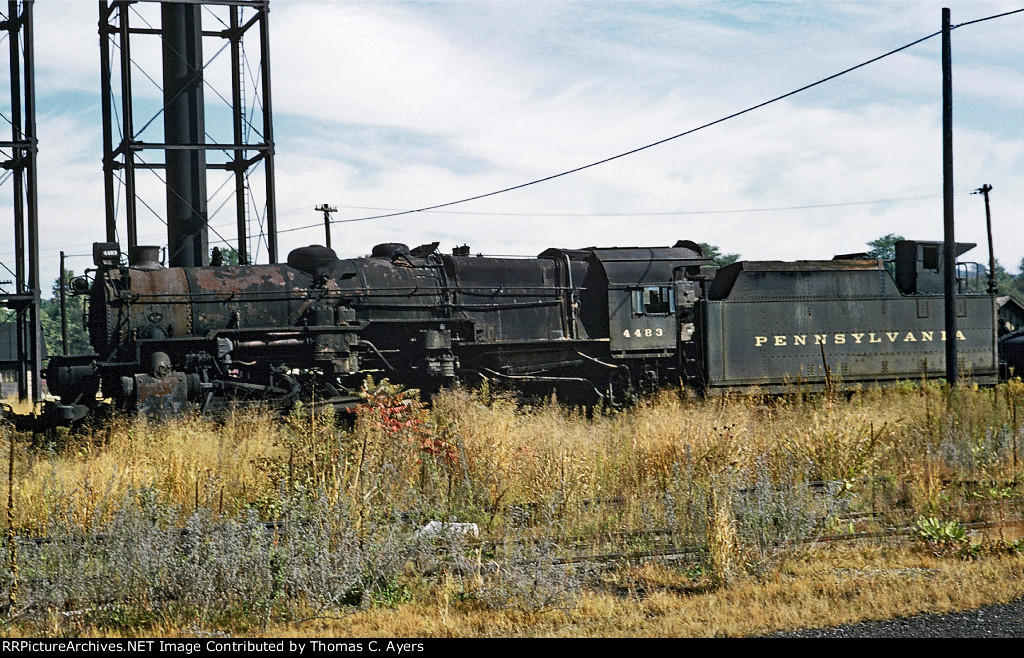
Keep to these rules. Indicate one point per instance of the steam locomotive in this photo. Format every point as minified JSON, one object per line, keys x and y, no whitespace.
{"x":594,"y":325}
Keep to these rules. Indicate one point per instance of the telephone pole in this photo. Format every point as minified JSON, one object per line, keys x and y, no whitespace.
{"x":327,"y":210}
{"x":993,"y":288}
{"x":949,"y":244}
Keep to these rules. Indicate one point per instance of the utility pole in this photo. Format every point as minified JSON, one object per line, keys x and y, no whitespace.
{"x":63,"y":306}
{"x":949,"y":244}
{"x":327,"y":210}
{"x":993,"y":288}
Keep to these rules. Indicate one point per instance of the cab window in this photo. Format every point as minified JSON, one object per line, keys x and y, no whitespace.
{"x":654,"y":300}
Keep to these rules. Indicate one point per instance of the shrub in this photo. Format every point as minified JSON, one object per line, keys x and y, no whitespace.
{"x":941,"y":537}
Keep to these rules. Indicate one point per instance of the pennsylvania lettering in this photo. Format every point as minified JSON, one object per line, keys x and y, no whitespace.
{"x":853,"y":338}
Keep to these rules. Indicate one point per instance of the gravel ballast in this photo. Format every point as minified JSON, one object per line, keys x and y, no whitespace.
{"x":1004,"y":620}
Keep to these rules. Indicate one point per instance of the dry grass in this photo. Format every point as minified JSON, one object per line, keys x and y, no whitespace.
{"x":736,"y":480}
{"x":191,"y":461}
{"x":832,"y":586}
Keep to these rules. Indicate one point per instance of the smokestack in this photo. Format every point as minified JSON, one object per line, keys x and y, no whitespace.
{"x":187,"y":239}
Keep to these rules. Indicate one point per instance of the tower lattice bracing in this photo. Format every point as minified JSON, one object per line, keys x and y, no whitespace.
{"x":171,"y":130}
{"x":20,"y":328}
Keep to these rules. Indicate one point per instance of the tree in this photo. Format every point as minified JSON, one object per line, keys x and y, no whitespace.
{"x":712,"y":252}
{"x":1006,"y":283}
{"x":1004,"y":280}
{"x":49,"y":318}
{"x":1014,"y":284}
{"x":884,"y":247}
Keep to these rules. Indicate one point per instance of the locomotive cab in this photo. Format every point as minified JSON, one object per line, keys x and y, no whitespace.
{"x":648,"y":295}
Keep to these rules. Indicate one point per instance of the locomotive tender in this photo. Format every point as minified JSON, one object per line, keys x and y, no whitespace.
{"x":595,"y":325}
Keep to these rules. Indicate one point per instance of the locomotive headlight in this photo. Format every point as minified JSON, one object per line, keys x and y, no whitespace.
{"x":79,"y":286}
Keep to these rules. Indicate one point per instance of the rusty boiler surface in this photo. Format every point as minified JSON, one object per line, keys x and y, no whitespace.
{"x":227,"y":280}
{"x":194,"y":301}
{"x":161,"y":303}
{"x":242,"y":297}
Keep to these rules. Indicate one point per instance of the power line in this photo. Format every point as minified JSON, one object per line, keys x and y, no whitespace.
{"x":667,"y":213}
{"x":670,"y":213}
{"x":732,"y":211}
{"x":635,"y":150}
{"x":988,"y":18}
{"x":659,"y":142}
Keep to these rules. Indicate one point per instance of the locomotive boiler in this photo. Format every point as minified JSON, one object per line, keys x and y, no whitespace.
{"x":594,"y":325}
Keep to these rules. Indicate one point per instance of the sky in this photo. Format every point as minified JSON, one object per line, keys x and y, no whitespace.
{"x":388,"y":106}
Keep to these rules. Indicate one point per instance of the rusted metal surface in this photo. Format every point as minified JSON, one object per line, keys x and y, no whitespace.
{"x":161,"y":303}
{"x":162,"y":397}
{"x":246,"y":297}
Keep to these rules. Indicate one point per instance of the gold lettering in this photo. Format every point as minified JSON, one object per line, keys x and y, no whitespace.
{"x":841,"y":339}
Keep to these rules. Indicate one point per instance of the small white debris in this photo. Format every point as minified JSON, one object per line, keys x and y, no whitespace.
{"x":438,"y":528}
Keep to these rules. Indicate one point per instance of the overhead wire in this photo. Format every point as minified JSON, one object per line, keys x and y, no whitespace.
{"x":261,"y":237}
{"x":988,"y":18}
{"x":656,"y":143}
{"x":907,"y":199}
{"x":631,"y":151}
{"x":664,"y":213}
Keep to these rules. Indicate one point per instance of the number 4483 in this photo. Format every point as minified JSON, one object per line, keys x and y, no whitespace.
{"x":642,"y":333}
